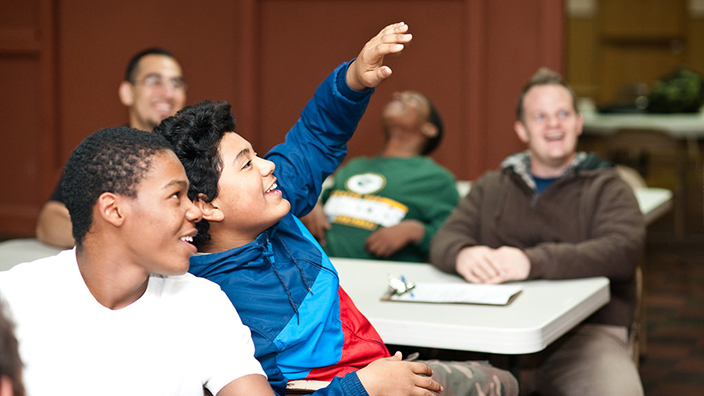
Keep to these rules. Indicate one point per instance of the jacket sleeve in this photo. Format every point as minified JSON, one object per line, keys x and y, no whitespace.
{"x":317,"y":143}
{"x":445,"y":197}
{"x":613,"y":246}
{"x":349,"y":385}
{"x":337,"y":181}
{"x":460,"y":230}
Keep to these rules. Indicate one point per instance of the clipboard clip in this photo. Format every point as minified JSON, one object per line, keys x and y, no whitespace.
{"x":399,"y":286}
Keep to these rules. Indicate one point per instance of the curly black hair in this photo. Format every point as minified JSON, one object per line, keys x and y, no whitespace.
{"x":195,"y":133}
{"x":10,"y":362}
{"x":111,"y":160}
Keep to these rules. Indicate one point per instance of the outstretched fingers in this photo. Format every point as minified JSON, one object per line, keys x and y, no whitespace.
{"x":368,"y":70}
{"x":391,"y":39}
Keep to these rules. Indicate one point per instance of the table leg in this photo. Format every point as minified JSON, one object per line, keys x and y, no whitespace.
{"x":514,"y":365}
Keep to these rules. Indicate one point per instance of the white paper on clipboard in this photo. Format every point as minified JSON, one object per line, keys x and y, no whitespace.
{"x":458,"y":293}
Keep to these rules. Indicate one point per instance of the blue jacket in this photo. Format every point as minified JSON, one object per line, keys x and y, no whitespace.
{"x":283,"y":285}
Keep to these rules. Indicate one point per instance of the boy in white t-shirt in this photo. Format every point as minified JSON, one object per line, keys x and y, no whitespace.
{"x":119,"y":314}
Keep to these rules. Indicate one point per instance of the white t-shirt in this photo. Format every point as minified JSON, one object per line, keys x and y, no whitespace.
{"x":183,"y":333}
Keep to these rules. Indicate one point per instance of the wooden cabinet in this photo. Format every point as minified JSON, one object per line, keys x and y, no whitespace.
{"x":642,"y":20}
{"x":639,"y":42}
{"x":627,"y":42}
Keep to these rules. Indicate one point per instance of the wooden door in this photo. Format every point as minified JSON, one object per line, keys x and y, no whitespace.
{"x":638,"y":42}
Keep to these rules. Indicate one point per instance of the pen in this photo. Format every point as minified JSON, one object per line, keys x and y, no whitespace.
{"x":403,"y":279}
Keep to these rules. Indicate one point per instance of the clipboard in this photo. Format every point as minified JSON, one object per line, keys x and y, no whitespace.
{"x":451,"y":293}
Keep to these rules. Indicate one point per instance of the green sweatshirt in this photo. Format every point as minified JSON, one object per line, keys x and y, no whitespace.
{"x":369,"y":193}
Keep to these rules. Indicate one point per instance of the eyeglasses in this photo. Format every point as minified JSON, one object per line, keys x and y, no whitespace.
{"x":157,"y":81}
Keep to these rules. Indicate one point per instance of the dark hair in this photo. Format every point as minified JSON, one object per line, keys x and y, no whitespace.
{"x":10,"y":362}
{"x":110,"y":160}
{"x":195,"y":133}
{"x":134,"y":62}
{"x":434,"y":118}
{"x":543,"y":76}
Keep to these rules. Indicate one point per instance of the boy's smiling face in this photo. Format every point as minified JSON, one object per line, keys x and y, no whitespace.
{"x":248,"y":201}
{"x":160,"y":220}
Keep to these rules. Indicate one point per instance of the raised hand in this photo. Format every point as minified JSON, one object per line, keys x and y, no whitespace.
{"x":368,"y":70}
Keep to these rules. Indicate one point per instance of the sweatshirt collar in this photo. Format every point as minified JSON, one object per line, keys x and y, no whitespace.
{"x":520,"y":164}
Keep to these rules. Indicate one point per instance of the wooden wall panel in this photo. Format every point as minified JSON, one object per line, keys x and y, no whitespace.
{"x":266,"y":57}
{"x":295,"y":64}
{"x":581,"y":52}
{"x":520,"y":38}
{"x":623,"y":66}
{"x":19,"y":22}
{"x":617,"y":43}
{"x":695,"y":36}
{"x":26,"y":109}
{"x":643,"y":19}
{"x":437,"y":63}
{"x":96,"y":42}
{"x":21,"y":171}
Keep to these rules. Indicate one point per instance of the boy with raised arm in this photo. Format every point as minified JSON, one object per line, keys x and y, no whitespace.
{"x":283,"y":285}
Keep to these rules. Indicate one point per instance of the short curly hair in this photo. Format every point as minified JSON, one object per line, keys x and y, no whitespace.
{"x":110,"y":160}
{"x":10,"y":362}
{"x":195,"y":133}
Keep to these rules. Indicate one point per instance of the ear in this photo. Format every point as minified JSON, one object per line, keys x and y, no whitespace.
{"x":210,"y":211}
{"x":429,"y":130}
{"x":521,"y":131}
{"x":125,"y":93}
{"x":580,"y":123}
{"x":109,"y":208}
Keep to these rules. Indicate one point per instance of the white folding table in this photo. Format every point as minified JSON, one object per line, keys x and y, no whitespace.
{"x":542,"y":313}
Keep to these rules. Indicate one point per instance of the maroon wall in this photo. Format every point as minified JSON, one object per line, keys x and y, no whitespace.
{"x":61,"y":63}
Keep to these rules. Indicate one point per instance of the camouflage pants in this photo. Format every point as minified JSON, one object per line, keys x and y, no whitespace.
{"x":472,"y":378}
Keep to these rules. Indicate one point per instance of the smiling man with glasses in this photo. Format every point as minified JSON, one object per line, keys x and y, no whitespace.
{"x":153,"y":89}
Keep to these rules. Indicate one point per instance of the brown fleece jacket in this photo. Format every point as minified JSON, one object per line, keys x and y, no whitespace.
{"x":587,"y":223}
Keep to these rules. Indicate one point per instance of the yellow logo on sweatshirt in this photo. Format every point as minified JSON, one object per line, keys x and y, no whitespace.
{"x":364,"y":211}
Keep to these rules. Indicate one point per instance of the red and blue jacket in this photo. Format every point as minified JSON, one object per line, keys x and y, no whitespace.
{"x":284,"y":287}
